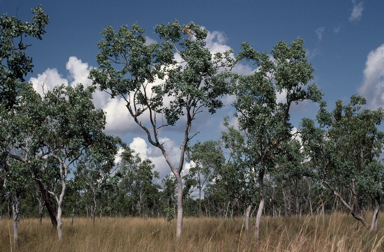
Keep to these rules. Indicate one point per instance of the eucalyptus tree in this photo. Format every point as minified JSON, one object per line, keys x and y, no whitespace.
{"x":56,"y":131}
{"x":188,"y":73}
{"x":346,"y":156}
{"x":14,"y":62}
{"x":260,"y":114}
{"x":136,"y":181}
{"x":235,"y":174}
{"x":95,"y":170}
{"x":292,"y":169}
{"x":206,"y":157}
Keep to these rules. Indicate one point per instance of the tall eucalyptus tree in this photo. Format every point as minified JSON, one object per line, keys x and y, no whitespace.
{"x":128,"y":68}
{"x":260,"y":114}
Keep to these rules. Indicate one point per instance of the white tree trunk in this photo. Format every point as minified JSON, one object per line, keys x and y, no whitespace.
{"x":179,"y":224}
{"x":15,"y":213}
{"x":261,"y":206}
{"x":375,"y":217}
{"x":247,"y":213}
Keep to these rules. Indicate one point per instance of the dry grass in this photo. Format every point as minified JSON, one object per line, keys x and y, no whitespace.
{"x":339,"y":233}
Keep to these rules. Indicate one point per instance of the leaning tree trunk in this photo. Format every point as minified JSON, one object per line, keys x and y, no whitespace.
{"x":261,"y":206}
{"x":375,"y":217}
{"x":47,"y":203}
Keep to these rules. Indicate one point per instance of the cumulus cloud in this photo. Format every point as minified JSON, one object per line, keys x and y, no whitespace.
{"x":357,"y":11}
{"x":47,"y":81}
{"x":319,"y":32}
{"x":140,"y":146}
{"x":372,"y":87}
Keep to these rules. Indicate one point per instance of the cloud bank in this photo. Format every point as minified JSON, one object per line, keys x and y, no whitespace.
{"x":372,"y":87}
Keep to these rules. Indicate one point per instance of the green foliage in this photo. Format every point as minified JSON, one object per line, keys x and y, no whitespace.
{"x":345,"y":157}
{"x":15,"y":64}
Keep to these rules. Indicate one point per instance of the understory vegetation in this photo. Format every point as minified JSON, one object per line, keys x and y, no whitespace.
{"x":338,"y":232}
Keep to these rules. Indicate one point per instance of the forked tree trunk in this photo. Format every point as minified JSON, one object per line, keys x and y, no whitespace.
{"x":261,"y":206}
{"x":375,"y":217}
{"x":47,"y":203}
{"x":247,"y":213}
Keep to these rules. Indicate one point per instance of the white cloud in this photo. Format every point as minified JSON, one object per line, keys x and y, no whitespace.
{"x":319,"y":32}
{"x":150,"y":41}
{"x":78,"y":71}
{"x":140,"y":146}
{"x":357,"y":11}
{"x":310,"y":54}
{"x":373,"y":85}
{"x":336,"y":29}
{"x":47,"y":81}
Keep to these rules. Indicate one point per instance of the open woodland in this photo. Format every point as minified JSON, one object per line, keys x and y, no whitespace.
{"x":264,"y":185}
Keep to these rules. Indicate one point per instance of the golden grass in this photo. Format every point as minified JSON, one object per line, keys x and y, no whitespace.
{"x":340,"y":232}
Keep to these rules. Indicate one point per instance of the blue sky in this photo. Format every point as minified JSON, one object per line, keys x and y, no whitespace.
{"x":344,"y":42}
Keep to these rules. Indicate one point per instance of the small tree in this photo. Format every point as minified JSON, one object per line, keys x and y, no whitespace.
{"x":261,"y":115}
{"x":206,"y":157}
{"x":346,"y":156}
{"x":192,"y":84}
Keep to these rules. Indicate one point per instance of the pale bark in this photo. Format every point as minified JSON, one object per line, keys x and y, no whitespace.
{"x":297,"y":204}
{"x":375,"y":217}
{"x":41,"y":210}
{"x":179,"y":224}
{"x":198,"y":173}
{"x":261,"y":205}
{"x":247,"y":213}
{"x":285,"y":204}
{"x":350,"y":208}
{"x":15,"y":213}
{"x":309,"y":196}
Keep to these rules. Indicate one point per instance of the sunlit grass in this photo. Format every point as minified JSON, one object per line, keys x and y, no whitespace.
{"x":340,"y":232}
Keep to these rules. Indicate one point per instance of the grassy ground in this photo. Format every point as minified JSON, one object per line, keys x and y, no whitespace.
{"x":339,"y":232}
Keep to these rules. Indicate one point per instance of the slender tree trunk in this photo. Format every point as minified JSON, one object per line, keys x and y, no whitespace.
{"x":297,"y":204}
{"x":101,"y":212}
{"x":261,"y":206}
{"x":309,"y":196}
{"x":375,"y":217}
{"x":59,"y":222}
{"x":73,"y":216}
{"x":247,"y":213}
{"x":179,"y":224}
{"x":15,"y":213}
{"x":47,"y":203}
{"x":285,"y":204}
{"x":289,"y":203}
{"x":322,"y":210}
